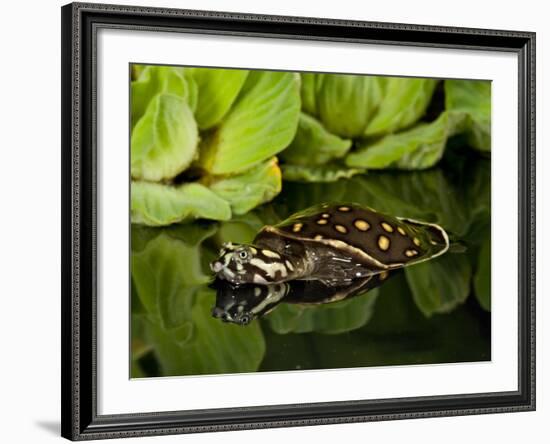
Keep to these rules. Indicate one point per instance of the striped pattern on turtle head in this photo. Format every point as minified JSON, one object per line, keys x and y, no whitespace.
{"x":239,"y":264}
{"x":389,"y":240}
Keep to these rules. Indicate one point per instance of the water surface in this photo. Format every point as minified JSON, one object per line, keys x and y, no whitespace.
{"x":436,"y":312}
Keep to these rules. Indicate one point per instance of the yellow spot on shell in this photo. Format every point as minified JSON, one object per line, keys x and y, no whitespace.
{"x":384,"y":275}
{"x":297,"y":227}
{"x":401,"y":231}
{"x":322,"y":222}
{"x":341,"y":229}
{"x":344,"y":209}
{"x":361,"y":225}
{"x":325,"y":215}
{"x":433,"y":242}
{"x":318,"y":237}
{"x":387,"y":227}
{"x":416,"y":241}
{"x":383,"y":243}
{"x":411,"y":253}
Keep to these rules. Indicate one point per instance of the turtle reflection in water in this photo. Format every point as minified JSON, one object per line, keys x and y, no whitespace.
{"x":240,"y":304}
{"x":335,"y":244}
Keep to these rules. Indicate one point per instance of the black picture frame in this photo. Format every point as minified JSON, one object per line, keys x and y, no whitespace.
{"x":79,"y":173}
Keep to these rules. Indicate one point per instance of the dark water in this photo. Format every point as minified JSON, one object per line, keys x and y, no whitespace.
{"x":435,"y":312}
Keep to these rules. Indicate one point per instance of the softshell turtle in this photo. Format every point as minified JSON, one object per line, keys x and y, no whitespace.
{"x":240,"y":304}
{"x":333,"y":243}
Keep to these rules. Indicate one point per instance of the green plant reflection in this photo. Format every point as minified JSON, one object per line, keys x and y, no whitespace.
{"x":434,"y":312}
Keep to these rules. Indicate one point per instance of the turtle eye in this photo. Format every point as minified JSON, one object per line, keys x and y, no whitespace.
{"x":243,"y":254}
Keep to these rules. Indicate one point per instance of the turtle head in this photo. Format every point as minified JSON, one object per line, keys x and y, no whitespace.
{"x":232,"y":302}
{"x":246,"y":264}
{"x":234,"y":263}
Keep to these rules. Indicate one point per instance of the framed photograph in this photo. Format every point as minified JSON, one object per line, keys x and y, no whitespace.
{"x":280,"y":221}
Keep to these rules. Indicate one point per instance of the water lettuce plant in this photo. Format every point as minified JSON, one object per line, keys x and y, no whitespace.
{"x":352,"y":124}
{"x":211,"y":143}
{"x":203,"y":140}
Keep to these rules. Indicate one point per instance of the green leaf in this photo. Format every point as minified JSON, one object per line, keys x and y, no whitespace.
{"x":192,"y":95}
{"x":482,"y":277}
{"x":418,"y":148}
{"x":153,"y":80}
{"x":218,"y":89}
{"x":477,"y":184}
{"x":141,"y":235}
{"x":213,"y":348}
{"x":190,"y":233}
{"x":311,"y":85}
{"x":296,"y":196}
{"x":157,"y":204}
{"x":168,"y":272}
{"x":164,"y":141}
{"x":441,"y":284}
{"x":240,"y":229}
{"x":333,"y":318}
{"x":139,"y":348}
{"x":473,"y":188}
{"x":314,"y":145}
{"x":346,"y":103}
{"x":472,"y":98}
{"x":405,"y":101}
{"x":261,"y":123}
{"x":254,"y":187}
{"x":135,"y":370}
{"x":427,"y":196}
{"x":136,"y":70}
{"x":322,"y":173}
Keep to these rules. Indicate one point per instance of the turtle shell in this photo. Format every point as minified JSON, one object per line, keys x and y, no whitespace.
{"x":377,"y":240}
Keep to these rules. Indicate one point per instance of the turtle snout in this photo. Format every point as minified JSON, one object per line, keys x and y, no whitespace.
{"x":217,"y":312}
{"x":220,"y":313}
{"x":216,"y":266}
